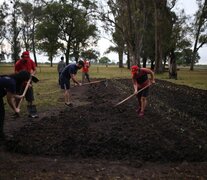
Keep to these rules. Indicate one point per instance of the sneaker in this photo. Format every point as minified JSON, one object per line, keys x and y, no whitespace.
{"x":15,"y":115}
{"x":69,"y":104}
{"x":33,"y":115}
{"x":138,"y":110}
{"x":141,"y":114}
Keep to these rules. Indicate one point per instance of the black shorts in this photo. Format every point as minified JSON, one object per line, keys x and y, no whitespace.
{"x":29,"y":96}
{"x":64,"y":83}
{"x":143,"y":93}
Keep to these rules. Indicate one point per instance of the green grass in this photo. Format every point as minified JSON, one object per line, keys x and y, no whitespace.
{"x":47,"y":92}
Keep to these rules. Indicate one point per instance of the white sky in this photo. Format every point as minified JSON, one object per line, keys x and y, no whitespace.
{"x":189,"y":6}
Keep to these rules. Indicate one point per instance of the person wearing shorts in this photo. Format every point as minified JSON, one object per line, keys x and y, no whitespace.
{"x":27,"y":64}
{"x":8,"y":87}
{"x":140,"y":80}
{"x":69,"y":72}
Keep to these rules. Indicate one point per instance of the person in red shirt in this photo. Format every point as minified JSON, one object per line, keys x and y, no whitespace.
{"x":85,"y":70}
{"x":27,"y":64}
{"x":140,"y":80}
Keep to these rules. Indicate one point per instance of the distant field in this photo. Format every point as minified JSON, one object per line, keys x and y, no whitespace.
{"x":47,"y":92}
{"x":196,"y":78}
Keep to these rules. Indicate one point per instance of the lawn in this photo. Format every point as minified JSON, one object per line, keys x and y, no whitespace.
{"x":47,"y":91}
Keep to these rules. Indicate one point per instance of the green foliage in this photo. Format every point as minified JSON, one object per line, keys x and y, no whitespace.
{"x":186,"y":56}
{"x":104,"y":60}
{"x":90,"y":54}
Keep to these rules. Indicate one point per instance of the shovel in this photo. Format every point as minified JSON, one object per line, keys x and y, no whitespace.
{"x":132,"y":95}
{"x":94,"y":82}
{"x":25,"y":91}
{"x":31,"y":109}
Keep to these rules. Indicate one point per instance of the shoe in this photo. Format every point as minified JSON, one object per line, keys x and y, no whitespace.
{"x":141,"y":114}
{"x":69,"y":104}
{"x":33,"y":115}
{"x":15,"y":115}
{"x":138,"y":110}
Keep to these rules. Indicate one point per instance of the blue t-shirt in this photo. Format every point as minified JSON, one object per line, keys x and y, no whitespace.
{"x":69,"y":69}
{"x":7,"y":84}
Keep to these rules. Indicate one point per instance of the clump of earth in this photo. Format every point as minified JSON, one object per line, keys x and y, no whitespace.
{"x":95,"y":139}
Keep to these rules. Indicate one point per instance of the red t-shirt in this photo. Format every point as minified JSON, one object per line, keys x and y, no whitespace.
{"x":26,"y":65}
{"x":86,"y":66}
{"x":141,"y":78}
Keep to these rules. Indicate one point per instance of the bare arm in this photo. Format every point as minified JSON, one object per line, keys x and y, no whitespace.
{"x":149,"y":71}
{"x":74,"y":79}
{"x":135,"y":85}
{"x":11,"y":101}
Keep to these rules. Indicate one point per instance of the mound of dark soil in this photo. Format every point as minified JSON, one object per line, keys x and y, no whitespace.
{"x":174,"y":128}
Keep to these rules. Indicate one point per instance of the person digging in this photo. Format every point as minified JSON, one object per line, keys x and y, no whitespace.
{"x":69,"y":72}
{"x":8,"y":87}
{"x":27,"y":64}
{"x":140,"y":80}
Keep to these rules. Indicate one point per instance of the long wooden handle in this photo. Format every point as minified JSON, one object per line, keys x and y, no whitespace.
{"x":25,"y":91}
{"x":93,"y":82}
{"x":131,"y":95}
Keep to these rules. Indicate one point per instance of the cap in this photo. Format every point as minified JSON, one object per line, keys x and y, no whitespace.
{"x":25,"y":55}
{"x":134,"y":69}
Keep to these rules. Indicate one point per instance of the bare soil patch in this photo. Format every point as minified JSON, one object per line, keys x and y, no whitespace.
{"x":94,"y":140}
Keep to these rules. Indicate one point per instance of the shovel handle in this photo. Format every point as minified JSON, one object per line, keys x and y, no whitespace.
{"x":25,"y":91}
{"x":131,"y":95}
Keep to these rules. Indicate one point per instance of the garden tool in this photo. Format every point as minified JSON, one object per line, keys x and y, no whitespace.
{"x":132,"y":95}
{"x":31,"y":108}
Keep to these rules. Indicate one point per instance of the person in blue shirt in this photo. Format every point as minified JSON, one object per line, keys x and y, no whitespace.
{"x":9,"y":85}
{"x":69,"y":72}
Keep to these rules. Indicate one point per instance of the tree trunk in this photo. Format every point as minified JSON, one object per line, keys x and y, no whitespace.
{"x":158,"y":47}
{"x":120,"y":53}
{"x":33,"y":42}
{"x":172,"y":66}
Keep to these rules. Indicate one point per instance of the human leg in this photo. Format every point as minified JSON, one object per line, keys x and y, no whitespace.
{"x":83,"y":77}
{"x":65,"y":85}
{"x":87,"y":77}
{"x":143,"y":101}
{"x":29,"y":96}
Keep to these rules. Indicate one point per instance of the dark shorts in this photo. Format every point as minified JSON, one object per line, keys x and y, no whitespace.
{"x":29,"y":96}
{"x":143,"y":93}
{"x":64,"y":83}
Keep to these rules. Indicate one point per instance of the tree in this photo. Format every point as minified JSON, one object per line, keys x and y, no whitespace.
{"x":104,"y":60}
{"x":13,"y":26}
{"x":2,"y":25}
{"x":186,"y":56}
{"x":30,"y":12}
{"x":119,"y":46}
{"x":74,"y":24}
{"x":199,"y":29}
{"x":90,"y":54}
{"x":47,"y":35}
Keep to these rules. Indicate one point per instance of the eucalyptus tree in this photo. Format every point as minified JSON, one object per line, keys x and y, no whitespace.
{"x":11,"y":11}
{"x":82,"y":33}
{"x":2,"y":27}
{"x":199,"y":29}
{"x":76,"y":27}
{"x":30,"y":12}
{"x":119,"y":46}
{"x":90,"y":54}
{"x":47,"y":35}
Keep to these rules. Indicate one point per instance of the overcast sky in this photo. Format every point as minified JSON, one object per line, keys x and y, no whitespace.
{"x":189,"y":6}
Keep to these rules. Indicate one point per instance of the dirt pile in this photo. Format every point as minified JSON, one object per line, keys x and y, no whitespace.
{"x":174,"y":128}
